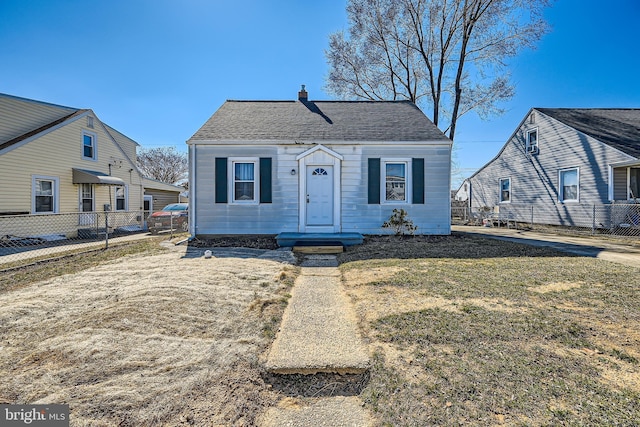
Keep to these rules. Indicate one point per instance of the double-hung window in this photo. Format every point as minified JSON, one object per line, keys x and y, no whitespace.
{"x":121,"y":198}
{"x":45,"y":194}
{"x":396,"y":184}
{"x":244,"y":180}
{"x":569,"y":180}
{"x":532,"y":141}
{"x":88,"y":146}
{"x":505,"y":190}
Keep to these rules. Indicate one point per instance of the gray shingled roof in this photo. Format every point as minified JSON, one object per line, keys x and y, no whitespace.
{"x":289,"y":121}
{"x":619,"y":128}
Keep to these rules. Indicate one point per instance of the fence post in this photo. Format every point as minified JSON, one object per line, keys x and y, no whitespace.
{"x":106,"y":230}
{"x":593,"y":223}
{"x":171,"y":225}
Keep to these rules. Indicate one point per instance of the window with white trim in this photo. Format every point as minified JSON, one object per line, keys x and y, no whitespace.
{"x":394,"y":177}
{"x":45,"y":195}
{"x":89,"y":145}
{"x":121,"y":198}
{"x":532,"y":141}
{"x":243,"y":181}
{"x":569,"y":180}
{"x":505,"y":190}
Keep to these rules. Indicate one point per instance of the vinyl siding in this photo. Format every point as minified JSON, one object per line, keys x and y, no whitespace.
{"x":54,"y":154}
{"x":162,"y":198}
{"x":20,"y":116}
{"x":535,"y":177}
{"x":432,"y":217}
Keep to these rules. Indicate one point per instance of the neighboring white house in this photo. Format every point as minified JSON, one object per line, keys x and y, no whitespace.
{"x":561,"y":164}
{"x":268,"y":167}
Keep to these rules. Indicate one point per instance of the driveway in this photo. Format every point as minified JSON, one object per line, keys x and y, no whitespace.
{"x":590,"y":246}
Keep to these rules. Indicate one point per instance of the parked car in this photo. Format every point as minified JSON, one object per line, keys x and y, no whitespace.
{"x":175,"y":214}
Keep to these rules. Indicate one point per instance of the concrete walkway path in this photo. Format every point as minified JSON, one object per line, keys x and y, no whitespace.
{"x":318,"y":333}
{"x":589,"y":246}
{"x":319,"y":330}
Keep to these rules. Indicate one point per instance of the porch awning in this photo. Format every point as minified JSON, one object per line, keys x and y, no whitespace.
{"x":83,"y":176}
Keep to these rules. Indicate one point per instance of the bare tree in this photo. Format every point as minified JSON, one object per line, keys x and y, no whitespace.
{"x":164,"y":164}
{"x":447,"y":56}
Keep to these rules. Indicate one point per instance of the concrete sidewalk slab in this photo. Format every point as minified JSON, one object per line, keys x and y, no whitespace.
{"x":319,"y":330}
{"x":590,"y":246}
{"x":325,"y":412}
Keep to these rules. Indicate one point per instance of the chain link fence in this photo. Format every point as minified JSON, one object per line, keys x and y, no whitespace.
{"x":34,"y":237}
{"x":617,"y":219}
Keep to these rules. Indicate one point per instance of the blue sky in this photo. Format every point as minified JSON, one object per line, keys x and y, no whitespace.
{"x":157,"y":69}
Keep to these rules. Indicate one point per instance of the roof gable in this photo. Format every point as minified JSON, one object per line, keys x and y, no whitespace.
{"x":299,"y":121}
{"x":618,"y":128}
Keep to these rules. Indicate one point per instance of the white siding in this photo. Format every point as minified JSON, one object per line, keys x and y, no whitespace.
{"x":534,"y":177}
{"x":356,"y":214}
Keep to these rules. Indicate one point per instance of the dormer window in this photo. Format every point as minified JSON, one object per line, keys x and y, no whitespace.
{"x":88,"y":146}
{"x":532,"y":141}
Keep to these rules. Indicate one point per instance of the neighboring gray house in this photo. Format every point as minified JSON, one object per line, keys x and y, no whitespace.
{"x":268,"y":167}
{"x":562,"y":164}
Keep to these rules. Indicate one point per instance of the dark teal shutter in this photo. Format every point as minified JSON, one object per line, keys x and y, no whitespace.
{"x":265,"y":180}
{"x":221,"y":180}
{"x":417,"y":176}
{"x":374,"y":181}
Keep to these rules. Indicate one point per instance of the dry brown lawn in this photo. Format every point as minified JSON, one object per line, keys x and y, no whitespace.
{"x":462,"y":330}
{"x":473,"y":331}
{"x":156,"y":338}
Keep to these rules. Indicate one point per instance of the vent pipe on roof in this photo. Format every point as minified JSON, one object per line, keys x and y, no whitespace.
{"x":302,"y":95}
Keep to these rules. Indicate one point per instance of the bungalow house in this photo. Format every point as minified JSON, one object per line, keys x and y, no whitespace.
{"x":561,"y":165}
{"x":271,"y":167}
{"x":56,"y":159}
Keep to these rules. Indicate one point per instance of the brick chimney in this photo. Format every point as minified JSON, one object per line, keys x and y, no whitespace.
{"x":302,"y":95}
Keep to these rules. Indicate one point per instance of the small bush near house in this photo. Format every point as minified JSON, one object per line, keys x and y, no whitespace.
{"x":400,"y":223}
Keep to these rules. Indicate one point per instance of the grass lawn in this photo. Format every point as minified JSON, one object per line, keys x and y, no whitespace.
{"x":473,"y":331}
{"x":142,"y":335}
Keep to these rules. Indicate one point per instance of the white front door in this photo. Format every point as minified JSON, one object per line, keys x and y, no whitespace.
{"x":87,"y":202}
{"x":319,"y":196}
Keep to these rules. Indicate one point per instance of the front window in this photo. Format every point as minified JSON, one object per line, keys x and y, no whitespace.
{"x":505,"y":190}
{"x":395,"y":181}
{"x":45,"y":192}
{"x":532,"y":141}
{"x":121,"y":200}
{"x":569,"y":185}
{"x":88,"y":146}
{"x":244,"y":182}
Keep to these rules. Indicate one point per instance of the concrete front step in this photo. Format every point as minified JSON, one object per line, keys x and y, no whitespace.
{"x":313,"y":249}
{"x":290,"y":239}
